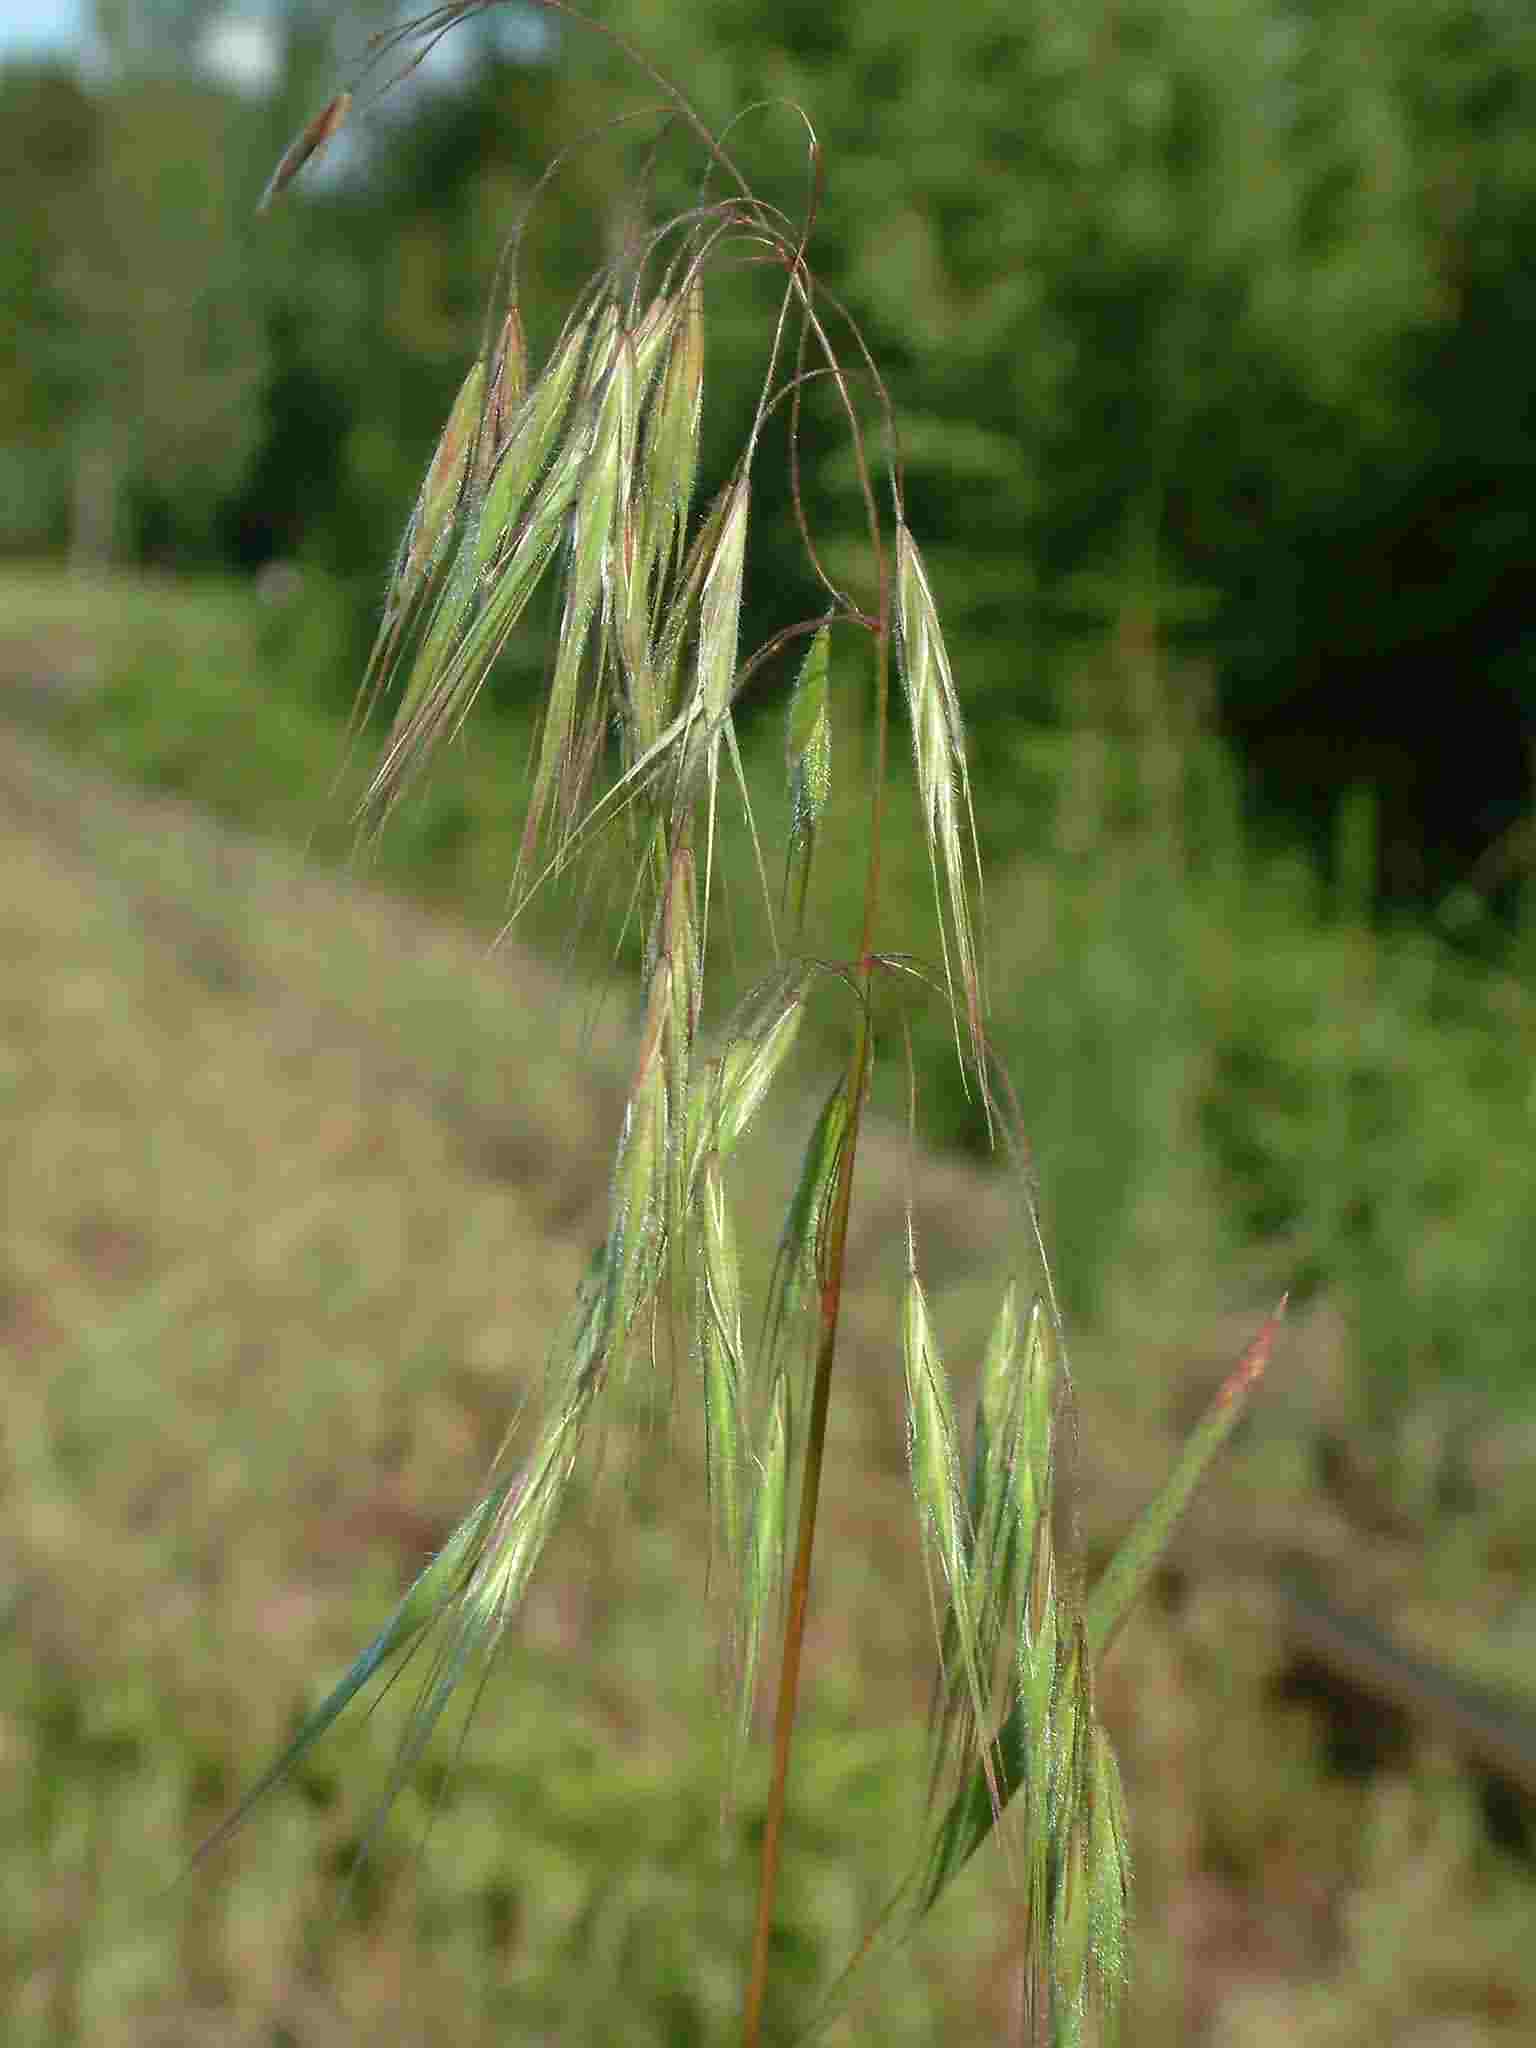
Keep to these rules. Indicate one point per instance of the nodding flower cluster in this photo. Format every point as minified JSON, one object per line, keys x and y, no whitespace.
{"x":584,"y":471}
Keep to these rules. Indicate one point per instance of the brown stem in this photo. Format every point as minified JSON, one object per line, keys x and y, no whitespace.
{"x":800,"y":1580}
{"x":816,"y":1433}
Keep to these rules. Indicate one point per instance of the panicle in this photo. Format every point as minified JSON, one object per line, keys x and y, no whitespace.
{"x":583,"y":472}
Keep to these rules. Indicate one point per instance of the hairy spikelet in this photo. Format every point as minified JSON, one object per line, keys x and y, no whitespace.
{"x":717,"y":1326}
{"x":654,"y":531}
{"x":1109,"y":1870}
{"x":1049,"y":1755}
{"x":798,"y":1267}
{"x":764,"y":1562}
{"x":798,"y":1263}
{"x":809,"y":752}
{"x":431,"y":1596}
{"x":530,"y":430}
{"x":523,"y":1524}
{"x":433,"y":517}
{"x":724,"y":1101}
{"x":506,"y":388}
{"x":1006,"y":1501}
{"x":933,"y":1452}
{"x":648,"y":1194}
{"x":709,"y":717}
{"x":757,"y":1042}
{"x":943,"y":787}
{"x":479,"y":607}
{"x":670,"y":451}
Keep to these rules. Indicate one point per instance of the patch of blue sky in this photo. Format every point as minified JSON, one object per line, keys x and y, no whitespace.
{"x":43,"y":28}
{"x":241,"y":45}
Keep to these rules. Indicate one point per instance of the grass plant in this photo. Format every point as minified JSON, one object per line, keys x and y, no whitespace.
{"x":582,"y":470}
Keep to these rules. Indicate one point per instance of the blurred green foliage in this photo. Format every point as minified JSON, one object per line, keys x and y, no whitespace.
{"x":1215,"y":316}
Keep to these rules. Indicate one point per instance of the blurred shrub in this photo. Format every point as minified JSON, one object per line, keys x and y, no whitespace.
{"x":1247,"y":284}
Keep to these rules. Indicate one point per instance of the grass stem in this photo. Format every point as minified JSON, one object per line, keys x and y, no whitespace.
{"x":800,"y":1579}
{"x":821,"y":1392}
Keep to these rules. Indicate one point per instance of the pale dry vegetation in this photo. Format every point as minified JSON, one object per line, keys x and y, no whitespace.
{"x":294,"y":1180}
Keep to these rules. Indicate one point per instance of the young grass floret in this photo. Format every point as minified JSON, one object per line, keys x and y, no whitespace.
{"x":809,"y":752}
{"x":943,"y":787}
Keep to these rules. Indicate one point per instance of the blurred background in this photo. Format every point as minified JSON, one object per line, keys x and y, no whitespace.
{"x":1209,"y":333}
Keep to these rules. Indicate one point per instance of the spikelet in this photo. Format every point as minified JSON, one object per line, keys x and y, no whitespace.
{"x":944,"y":792}
{"x":310,"y":140}
{"x":809,"y":754}
{"x":798,"y":1266}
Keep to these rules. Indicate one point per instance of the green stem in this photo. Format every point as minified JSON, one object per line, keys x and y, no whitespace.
{"x":821,"y":1400}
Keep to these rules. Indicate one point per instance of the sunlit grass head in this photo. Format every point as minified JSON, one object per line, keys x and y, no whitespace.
{"x":578,"y":475}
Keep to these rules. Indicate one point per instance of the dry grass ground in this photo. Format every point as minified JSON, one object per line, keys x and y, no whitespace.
{"x":296,"y":1182}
